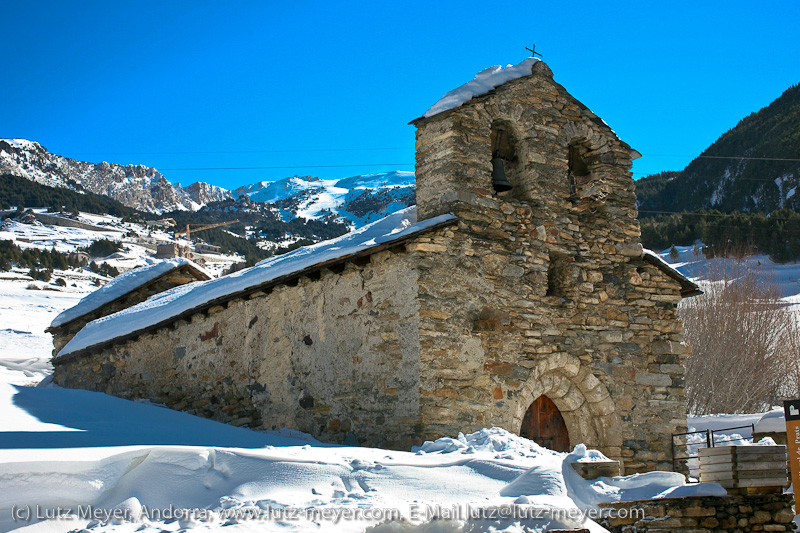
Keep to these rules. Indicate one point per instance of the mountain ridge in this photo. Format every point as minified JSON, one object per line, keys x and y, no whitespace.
{"x":137,"y":186}
{"x":353,"y":201}
{"x":753,"y":167}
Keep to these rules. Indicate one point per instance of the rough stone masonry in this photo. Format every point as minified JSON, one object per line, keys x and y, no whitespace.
{"x":540,"y":290}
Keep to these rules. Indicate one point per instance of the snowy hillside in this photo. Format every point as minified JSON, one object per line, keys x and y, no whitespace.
{"x":763,"y":181}
{"x":135,"y":186}
{"x":356,"y":201}
{"x":692,"y":264}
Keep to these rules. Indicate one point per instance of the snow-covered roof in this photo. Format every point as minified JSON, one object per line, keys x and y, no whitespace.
{"x":772,"y":422}
{"x":165,"y":307}
{"x":688,"y":287}
{"x":122,"y":285}
{"x":485,"y":81}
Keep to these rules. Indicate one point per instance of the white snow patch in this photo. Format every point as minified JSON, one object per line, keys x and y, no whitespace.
{"x":772,"y":422}
{"x":22,"y":144}
{"x":485,"y":81}
{"x":650,"y":485}
{"x":25,"y":348}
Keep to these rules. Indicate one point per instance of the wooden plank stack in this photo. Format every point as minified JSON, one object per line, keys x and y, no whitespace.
{"x":745,"y":469}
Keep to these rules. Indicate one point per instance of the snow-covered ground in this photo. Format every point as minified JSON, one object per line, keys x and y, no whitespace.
{"x":694,"y":265}
{"x":106,"y":464}
{"x":25,"y":349}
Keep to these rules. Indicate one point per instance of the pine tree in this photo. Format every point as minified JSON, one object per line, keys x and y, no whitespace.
{"x":674,"y":255}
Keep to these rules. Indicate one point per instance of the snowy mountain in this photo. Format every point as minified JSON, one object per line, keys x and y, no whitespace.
{"x":136,"y":186}
{"x":355,"y":201}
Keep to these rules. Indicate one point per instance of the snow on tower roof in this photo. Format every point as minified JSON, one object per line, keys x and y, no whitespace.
{"x":122,"y":285}
{"x":485,"y":81}
{"x":167,"y":306}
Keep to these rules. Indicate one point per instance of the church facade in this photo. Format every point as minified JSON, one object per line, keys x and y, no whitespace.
{"x":526,"y":302}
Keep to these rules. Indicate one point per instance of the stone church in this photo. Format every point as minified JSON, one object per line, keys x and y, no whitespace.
{"x":519,"y":297}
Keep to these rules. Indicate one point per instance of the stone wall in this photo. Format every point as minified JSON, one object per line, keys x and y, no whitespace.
{"x":734,"y":514}
{"x":543,"y":289}
{"x":335,"y":355}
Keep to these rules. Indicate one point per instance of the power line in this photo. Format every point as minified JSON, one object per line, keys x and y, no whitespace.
{"x":304,"y":150}
{"x":292,"y":167}
{"x":689,"y":213}
{"x":735,"y":179}
{"x":245,"y":151}
{"x":309,"y":150}
{"x":727,"y":157}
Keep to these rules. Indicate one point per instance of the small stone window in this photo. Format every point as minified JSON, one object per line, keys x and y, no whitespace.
{"x":559,"y":275}
{"x":578,"y":174}
{"x":586,"y":190}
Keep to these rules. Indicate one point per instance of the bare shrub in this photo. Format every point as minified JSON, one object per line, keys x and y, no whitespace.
{"x":744,"y":341}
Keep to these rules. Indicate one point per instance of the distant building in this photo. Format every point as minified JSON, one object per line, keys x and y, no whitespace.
{"x":203,"y":248}
{"x":81,"y":257}
{"x":163,"y":223}
{"x":167,"y":250}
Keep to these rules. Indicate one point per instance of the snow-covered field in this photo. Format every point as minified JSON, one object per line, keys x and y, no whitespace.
{"x":786,"y":276}
{"x":75,"y":460}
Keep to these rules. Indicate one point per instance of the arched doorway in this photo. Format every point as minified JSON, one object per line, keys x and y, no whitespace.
{"x":544,"y":425}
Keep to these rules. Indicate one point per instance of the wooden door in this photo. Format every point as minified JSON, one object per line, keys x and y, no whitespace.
{"x":544,"y":425}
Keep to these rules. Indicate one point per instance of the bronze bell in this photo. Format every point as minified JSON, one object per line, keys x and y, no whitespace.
{"x":499,"y":181}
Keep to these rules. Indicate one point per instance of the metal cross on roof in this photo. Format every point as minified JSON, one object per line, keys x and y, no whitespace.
{"x":533,"y":51}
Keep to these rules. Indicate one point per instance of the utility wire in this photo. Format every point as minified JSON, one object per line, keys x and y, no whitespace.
{"x":303,"y":150}
{"x":294,"y":166}
{"x":728,"y":157}
{"x":244,"y":151}
{"x":643,"y":222}
{"x":735,"y":179}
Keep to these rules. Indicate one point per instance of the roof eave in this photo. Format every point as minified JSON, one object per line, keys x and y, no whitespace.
{"x":688,"y":287}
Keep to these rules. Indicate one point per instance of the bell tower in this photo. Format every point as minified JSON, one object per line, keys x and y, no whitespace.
{"x":540,"y":312}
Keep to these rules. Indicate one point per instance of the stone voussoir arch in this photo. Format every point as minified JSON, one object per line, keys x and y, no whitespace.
{"x":579,"y":133}
{"x":588,"y":409}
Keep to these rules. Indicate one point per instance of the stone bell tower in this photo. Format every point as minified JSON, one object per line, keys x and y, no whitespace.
{"x":552,"y":321}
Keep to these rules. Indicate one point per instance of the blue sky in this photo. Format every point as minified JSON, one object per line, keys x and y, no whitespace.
{"x":319,"y":86}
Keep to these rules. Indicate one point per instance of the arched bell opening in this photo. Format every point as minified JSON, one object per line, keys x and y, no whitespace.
{"x":544,"y":424}
{"x":504,"y":157}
